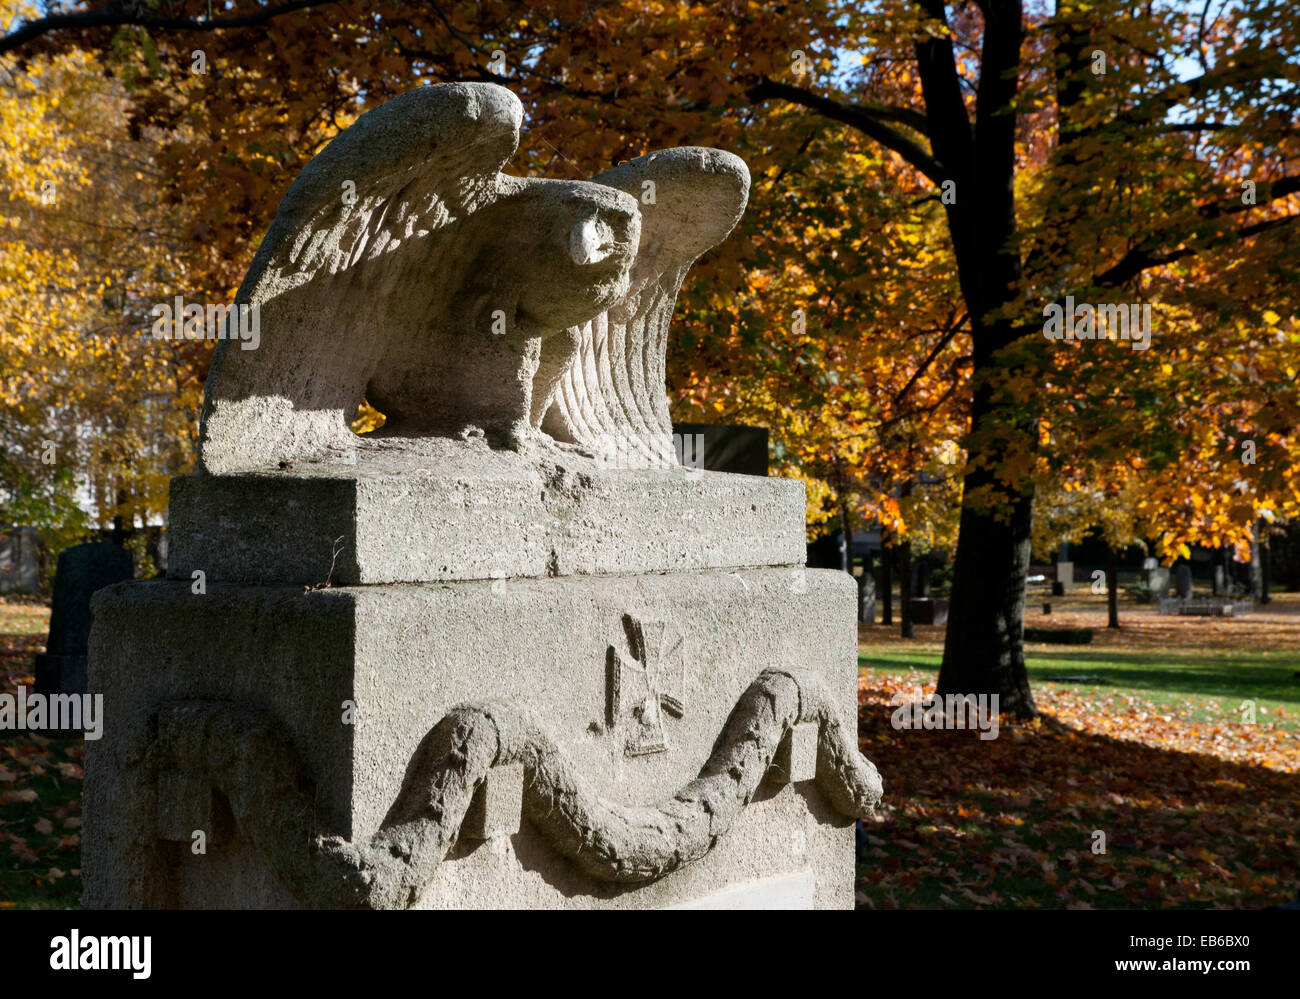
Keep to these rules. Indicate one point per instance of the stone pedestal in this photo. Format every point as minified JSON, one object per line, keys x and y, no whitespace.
{"x":439,"y":509}
{"x":357,"y":676}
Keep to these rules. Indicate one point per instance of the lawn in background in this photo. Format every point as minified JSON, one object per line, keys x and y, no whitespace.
{"x":1149,"y":786}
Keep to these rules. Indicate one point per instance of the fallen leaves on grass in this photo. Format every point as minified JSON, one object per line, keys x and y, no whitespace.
{"x":1257,"y":743}
{"x":40,"y":790}
{"x":1189,"y":815}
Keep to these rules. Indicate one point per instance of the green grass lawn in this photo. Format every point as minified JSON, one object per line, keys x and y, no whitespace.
{"x":1200,"y":686}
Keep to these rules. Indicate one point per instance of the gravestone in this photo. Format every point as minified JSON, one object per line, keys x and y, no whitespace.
{"x":1183,"y":581}
{"x":19,"y":560}
{"x":929,"y":610}
{"x":1065,"y":577}
{"x":722,"y":447}
{"x":921,"y":577}
{"x":867,"y":591}
{"x":470,"y":661}
{"x":1157,"y":577}
{"x":830,"y":551}
{"x":81,"y":572}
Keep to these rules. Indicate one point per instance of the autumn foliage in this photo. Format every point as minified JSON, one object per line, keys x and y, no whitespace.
{"x":926,"y":178}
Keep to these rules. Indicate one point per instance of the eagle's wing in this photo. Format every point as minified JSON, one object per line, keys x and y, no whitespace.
{"x":373,"y":212}
{"x":611,"y":397}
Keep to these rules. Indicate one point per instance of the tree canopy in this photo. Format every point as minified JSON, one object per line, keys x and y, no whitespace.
{"x":930,"y":179}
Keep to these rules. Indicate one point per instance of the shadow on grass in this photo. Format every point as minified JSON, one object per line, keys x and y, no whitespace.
{"x":1013,"y":822}
{"x":40,"y":800}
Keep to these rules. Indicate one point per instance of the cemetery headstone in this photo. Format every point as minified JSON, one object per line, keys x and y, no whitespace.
{"x":1183,"y":581}
{"x":722,"y":447}
{"x":81,"y":572}
{"x":619,"y":652}
{"x":830,"y":551}
{"x":1157,"y":577}
{"x":1065,"y":577}
{"x":929,"y":610}
{"x":1222,"y":585}
{"x":19,"y":560}
{"x":867,"y":592}
{"x":921,"y":576}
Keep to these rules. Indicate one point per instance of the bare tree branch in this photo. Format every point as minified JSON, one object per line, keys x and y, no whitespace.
{"x":130,"y":15}
{"x":870,"y":123}
{"x":1138,"y":259}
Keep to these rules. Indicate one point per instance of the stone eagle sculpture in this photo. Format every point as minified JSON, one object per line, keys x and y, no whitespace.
{"x":404,"y":267}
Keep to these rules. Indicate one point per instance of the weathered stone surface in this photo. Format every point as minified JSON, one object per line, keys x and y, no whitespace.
{"x":498,"y":806}
{"x":184,"y":806}
{"x":479,"y":515}
{"x":792,"y":891}
{"x":404,"y":655}
{"x":796,"y":759}
{"x":461,"y":301}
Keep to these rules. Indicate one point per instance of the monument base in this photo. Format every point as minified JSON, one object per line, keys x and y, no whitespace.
{"x":634,"y":685}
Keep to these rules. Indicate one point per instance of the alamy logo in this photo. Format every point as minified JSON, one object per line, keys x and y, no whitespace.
{"x":951,"y":711}
{"x":1098,"y":322}
{"x":38,"y":712}
{"x":620,"y":451}
{"x":179,"y":321}
{"x":90,"y":953}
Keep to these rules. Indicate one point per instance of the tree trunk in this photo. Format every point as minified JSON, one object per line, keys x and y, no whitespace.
{"x":886,"y":582}
{"x":1112,"y":587}
{"x":121,"y":531}
{"x":1256,"y":565}
{"x":984,"y":648}
{"x":907,"y":628}
{"x":1265,"y":571}
{"x":983,"y":652}
{"x":846,"y":553}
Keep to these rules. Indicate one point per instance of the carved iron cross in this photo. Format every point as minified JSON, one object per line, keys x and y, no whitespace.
{"x":653,"y":682}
